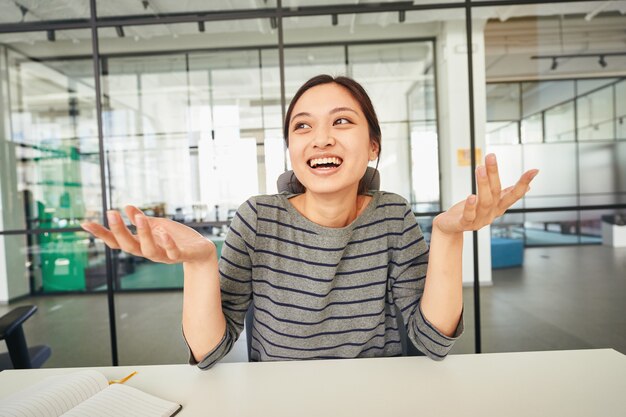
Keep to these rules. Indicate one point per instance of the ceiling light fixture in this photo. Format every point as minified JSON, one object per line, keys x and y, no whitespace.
{"x":120,"y":31}
{"x":273,"y":22}
{"x":600,"y":56}
{"x":401,"y":16}
{"x":554,"y":64}
{"x":23,"y":9}
{"x":52,"y":36}
{"x":335,"y":20}
{"x":201,"y":26}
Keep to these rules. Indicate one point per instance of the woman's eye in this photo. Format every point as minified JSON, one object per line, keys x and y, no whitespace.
{"x":298,"y":126}
{"x":342,"y":121}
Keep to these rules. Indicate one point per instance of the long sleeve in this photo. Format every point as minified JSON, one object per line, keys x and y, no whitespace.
{"x":235,"y":268}
{"x":408,"y":266}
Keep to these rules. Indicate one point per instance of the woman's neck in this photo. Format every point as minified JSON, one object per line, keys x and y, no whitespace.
{"x":330,"y":210}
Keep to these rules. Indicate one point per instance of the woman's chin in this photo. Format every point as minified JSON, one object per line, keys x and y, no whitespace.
{"x":328,"y":182}
{"x":327,"y":188}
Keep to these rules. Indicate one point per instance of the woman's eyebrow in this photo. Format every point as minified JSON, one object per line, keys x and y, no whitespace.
{"x":340,"y":109}
{"x":333,"y":111}
{"x":303,"y":113}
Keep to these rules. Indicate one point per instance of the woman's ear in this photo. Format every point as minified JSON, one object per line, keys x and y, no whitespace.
{"x":373,"y":150}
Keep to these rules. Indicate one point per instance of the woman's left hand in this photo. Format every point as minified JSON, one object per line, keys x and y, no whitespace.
{"x":491,"y":202}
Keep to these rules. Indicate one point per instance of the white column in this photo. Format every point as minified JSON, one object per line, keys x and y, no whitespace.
{"x":454,"y":126}
{"x":13,"y":273}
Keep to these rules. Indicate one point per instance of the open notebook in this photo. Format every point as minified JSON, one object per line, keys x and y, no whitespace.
{"x":84,"y":394}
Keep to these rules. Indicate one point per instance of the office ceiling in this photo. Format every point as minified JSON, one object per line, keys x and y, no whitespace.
{"x":512,"y":33}
{"x":14,"y":11}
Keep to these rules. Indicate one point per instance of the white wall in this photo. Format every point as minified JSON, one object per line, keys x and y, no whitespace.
{"x":454,"y":125}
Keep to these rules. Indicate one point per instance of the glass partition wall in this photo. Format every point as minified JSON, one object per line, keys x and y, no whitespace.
{"x":555,"y":77}
{"x":51,"y":182}
{"x":578,"y":123}
{"x":191,"y":103}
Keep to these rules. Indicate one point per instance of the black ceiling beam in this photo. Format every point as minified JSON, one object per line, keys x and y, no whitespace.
{"x":243,"y":14}
{"x":594,"y":55}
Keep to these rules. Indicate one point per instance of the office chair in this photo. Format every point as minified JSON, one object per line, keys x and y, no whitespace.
{"x":19,"y":355}
{"x":248,"y":328}
{"x":408,"y":348}
{"x":286,"y":183}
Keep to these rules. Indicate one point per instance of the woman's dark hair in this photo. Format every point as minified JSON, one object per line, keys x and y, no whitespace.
{"x":360,"y":95}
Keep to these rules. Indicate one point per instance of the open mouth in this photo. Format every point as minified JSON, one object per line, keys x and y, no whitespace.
{"x":321,"y":163}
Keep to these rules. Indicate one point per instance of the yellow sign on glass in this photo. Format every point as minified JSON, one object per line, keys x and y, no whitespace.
{"x":463,"y":157}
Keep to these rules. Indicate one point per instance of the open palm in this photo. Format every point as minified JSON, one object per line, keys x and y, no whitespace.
{"x":158,"y":239}
{"x":478,"y":211}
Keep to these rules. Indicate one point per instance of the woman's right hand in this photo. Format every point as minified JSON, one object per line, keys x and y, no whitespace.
{"x":157,"y":239}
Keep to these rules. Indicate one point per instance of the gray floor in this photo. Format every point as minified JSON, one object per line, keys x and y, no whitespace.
{"x":563,"y":298}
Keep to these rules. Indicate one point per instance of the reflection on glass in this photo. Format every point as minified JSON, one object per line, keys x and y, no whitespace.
{"x":562,"y":228}
{"x":394,"y":74}
{"x":598,"y":107}
{"x":620,"y":110}
{"x":150,"y":316}
{"x":403,"y":88}
{"x":508,"y":226}
{"x":37,"y":11}
{"x":595,"y":112}
{"x":60,"y":263}
{"x":532,"y":129}
{"x":542,"y":95}
{"x":137,"y":273}
{"x":498,"y":133}
{"x":503,"y":101}
{"x":303,"y":63}
{"x":349,"y":3}
{"x":602,"y":172}
{"x":425,"y":168}
{"x":63,"y":262}
{"x":154,"y":8}
{"x":394,"y":165}
{"x":189,"y":129}
{"x":584,"y":86}
{"x":559,"y":186}
{"x":559,"y":123}
{"x":274,"y":147}
{"x":51,"y":128}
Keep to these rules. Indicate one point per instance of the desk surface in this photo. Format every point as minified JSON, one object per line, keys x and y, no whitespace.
{"x":559,"y":383}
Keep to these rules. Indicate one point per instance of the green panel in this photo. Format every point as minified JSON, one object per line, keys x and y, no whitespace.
{"x":63,"y":261}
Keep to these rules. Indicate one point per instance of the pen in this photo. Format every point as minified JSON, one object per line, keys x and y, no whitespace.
{"x":121,"y":381}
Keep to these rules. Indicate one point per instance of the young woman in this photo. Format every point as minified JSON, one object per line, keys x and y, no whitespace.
{"x":327,"y":269}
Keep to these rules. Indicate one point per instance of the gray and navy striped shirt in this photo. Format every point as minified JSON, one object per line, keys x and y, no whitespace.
{"x":323,"y":292}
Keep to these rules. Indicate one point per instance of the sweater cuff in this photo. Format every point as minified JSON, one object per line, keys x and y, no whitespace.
{"x":219,"y":351}
{"x":436,"y":344}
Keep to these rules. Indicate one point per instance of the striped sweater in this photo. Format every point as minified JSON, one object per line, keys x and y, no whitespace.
{"x":323,"y":292}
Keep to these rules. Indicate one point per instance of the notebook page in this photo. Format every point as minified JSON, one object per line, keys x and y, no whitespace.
{"x":54,"y":395}
{"x":122,"y":400}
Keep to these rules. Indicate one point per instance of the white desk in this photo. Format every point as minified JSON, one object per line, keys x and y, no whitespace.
{"x":562,"y":383}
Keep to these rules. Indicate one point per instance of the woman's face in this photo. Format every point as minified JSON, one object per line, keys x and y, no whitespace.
{"x":329,"y":142}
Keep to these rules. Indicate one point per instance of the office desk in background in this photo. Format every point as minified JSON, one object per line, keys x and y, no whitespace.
{"x":560,"y":383}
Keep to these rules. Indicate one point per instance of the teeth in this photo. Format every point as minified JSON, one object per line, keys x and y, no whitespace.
{"x":320,"y":161}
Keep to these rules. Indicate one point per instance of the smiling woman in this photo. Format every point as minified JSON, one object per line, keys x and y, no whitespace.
{"x":329,"y":269}
{"x":345,"y":118}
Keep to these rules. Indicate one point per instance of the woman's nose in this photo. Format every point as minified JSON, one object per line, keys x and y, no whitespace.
{"x":323,"y":138}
